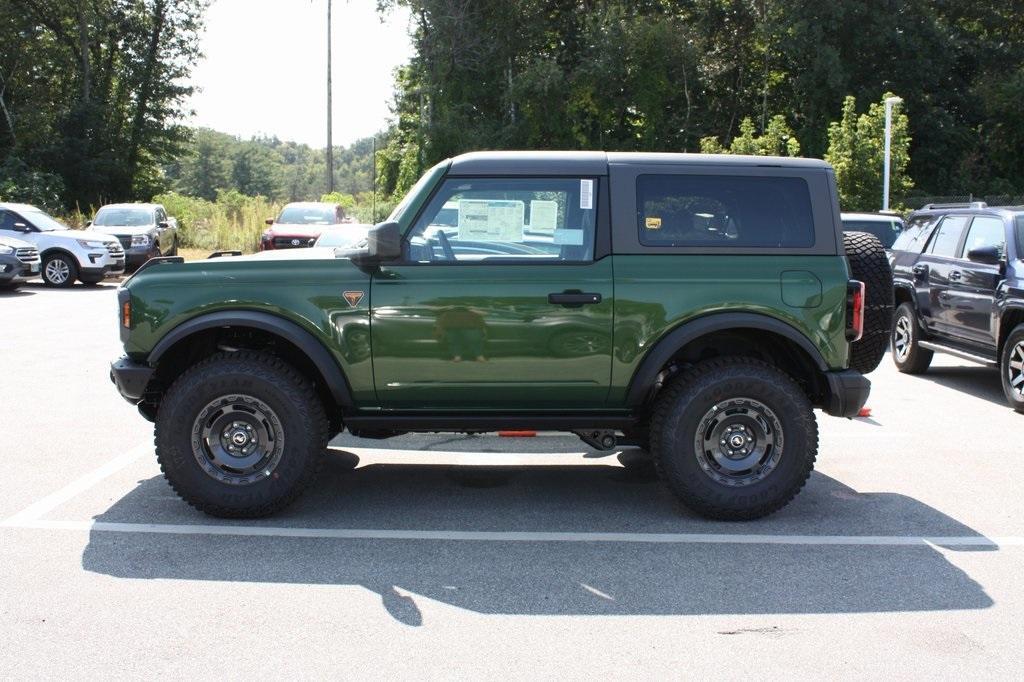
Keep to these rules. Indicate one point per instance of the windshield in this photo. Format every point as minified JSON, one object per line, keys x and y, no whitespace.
{"x":425,"y":180}
{"x":885,"y":230}
{"x":43,"y":222}
{"x":344,"y":237}
{"x":124,"y":217}
{"x":308,"y":215}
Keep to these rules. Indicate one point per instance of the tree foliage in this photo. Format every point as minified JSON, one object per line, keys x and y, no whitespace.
{"x":665,"y":75}
{"x":856,"y":151}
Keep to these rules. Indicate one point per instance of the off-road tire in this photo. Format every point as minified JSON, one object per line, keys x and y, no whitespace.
{"x":905,"y":330}
{"x":279,"y":386}
{"x":869,"y":264}
{"x":72,"y":270}
{"x":1013,"y":351}
{"x":683,"y":404}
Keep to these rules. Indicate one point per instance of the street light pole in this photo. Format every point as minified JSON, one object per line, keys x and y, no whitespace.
{"x":890,"y":102}
{"x":330,"y":144}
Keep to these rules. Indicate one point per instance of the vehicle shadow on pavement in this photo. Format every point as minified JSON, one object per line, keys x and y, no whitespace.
{"x":555,"y":577}
{"x":977,"y":381}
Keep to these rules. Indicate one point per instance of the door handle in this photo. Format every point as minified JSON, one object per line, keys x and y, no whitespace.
{"x":573,"y":298}
{"x":955,"y":274}
{"x":921,"y":270}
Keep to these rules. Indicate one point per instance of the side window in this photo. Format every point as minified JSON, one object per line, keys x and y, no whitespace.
{"x":947,"y":237}
{"x":915,"y":235}
{"x":522,"y":219}
{"x":724,"y":210}
{"x":986,"y":231}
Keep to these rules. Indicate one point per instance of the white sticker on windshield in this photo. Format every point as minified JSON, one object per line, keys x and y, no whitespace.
{"x":586,"y":194}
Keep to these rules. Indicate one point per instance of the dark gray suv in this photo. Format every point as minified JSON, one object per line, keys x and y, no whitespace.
{"x":959,"y":279}
{"x":19,"y":261}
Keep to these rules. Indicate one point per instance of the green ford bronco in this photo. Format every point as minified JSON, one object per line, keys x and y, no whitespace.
{"x":698,"y":307}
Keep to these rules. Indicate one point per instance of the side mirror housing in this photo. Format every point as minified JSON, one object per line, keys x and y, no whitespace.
{"x":163,"y":224}
{"x":21,"y":227}
{"x":269,"y":221}
{"x":384,"y":242}
{"x":88,"y":223}
{"x":988,"y":255}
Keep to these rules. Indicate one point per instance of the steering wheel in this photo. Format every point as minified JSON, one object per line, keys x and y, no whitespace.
{"x":446,"y":246}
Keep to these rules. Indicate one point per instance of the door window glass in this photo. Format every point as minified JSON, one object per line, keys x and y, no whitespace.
{"x":947,"y":237}
{"x":986,"y":231}
{"x":521,"y":219}
{"x":7,"y":220}
{"x":724,"y":210}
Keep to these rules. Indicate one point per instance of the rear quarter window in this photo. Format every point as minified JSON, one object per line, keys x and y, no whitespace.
{"x":724,"y":210}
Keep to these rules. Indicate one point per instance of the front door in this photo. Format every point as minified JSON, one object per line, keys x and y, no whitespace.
{"x":973,"y":286}
{"x":500,"y":301}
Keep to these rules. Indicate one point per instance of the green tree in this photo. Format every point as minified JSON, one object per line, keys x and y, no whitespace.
{"x":777,"y":140}
{"x":856,"y":151}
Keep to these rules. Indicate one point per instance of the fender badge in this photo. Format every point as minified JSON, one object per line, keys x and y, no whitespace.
{"x":353,"y":298}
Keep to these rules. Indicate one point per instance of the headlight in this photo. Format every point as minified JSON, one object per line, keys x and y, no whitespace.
{"x":265,"y":237}
{"x":6,"y":250}
{"x":90,"y":244}
{"x":140,"y":240}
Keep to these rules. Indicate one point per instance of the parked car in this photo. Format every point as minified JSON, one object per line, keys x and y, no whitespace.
{"x":144,"y":230}
{"x":299,"y":225}
{"x":959,"y":282}
{"x":345,"y":236}
{"x":886,"y":226}
{"x":66,"y":254}
{"x":699,"y":306}
{"x":19,"y":261}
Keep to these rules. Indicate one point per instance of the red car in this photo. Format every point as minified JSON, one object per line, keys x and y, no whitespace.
{"x":299,"y":225}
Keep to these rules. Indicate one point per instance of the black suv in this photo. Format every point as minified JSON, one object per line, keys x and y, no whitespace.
{"x":959,"y":279}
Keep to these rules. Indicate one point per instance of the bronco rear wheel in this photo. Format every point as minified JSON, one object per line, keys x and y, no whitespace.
{"x":734,"y":438}
{"x":240,"y":435}
{"x":869,"y":264}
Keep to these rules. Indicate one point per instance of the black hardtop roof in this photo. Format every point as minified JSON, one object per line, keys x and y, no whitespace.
{"x":596,"y":163}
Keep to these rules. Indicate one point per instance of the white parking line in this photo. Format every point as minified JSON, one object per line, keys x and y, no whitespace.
{"x":44,"y":506}
{"x":529,"y":536}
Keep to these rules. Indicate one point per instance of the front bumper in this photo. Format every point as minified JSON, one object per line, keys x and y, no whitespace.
{"x":131,"y":378}
{"x":100,"y":264}
{"x":13,"y":269}
{"x":847,"y":392}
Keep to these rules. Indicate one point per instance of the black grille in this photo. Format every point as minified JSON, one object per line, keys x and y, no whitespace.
{"x":126,"y":242}
{"x":286,"y":242}
{"x":27,"y":255}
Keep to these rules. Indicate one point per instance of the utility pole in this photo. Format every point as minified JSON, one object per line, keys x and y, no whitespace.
{"x":890,"y":102}
{"x":330,"y":144}
{"x":373,"y":179}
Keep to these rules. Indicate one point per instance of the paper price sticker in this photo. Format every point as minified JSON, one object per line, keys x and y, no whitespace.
{"x":652,"y":223}
{"x":586,"y":194}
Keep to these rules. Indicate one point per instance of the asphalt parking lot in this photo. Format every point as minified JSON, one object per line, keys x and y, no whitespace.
{"x":435,"y":556}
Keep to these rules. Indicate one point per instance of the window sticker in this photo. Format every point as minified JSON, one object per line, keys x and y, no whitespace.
{"x":491,"y":220}
{"x":586,"y":194}
{"x":543,"y":216}
{"x":652,"y":223}
{"x":567,"y":237}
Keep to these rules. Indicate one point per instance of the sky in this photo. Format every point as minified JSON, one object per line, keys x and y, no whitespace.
{"x":264,"y":70}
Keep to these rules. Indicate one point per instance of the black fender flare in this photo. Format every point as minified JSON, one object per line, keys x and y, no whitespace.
{"x":667,"y":346}
{"x":312,"y":347}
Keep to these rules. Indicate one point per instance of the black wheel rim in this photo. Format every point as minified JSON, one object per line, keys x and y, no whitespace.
{"x":738,"y":442}
{"x":237,"y":440}
{"x":1015,"y":370}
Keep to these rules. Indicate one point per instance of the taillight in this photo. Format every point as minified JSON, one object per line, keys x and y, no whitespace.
{"x":854,"y":310}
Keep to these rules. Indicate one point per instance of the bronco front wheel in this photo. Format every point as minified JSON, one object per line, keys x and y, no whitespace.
{"x":240,"y":435}
{"x":734,"y":438}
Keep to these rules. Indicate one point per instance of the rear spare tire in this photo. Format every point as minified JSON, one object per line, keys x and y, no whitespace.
{"x":869,"y":264}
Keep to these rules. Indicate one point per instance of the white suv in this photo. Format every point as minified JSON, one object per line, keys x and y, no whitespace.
{"x":67,"y":254}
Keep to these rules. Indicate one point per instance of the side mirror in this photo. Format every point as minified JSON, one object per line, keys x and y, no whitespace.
{"x":21,"y":227}
{"x":988,"y":255}
{"x":88,"y":223}
{"x":269,"y":221}
{"x":384,"y":242}
{"x":164,"y":224}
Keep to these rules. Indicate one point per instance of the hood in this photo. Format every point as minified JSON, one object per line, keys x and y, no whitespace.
{"x":16,"y":243}
{"x":311,"y":253}
{"x":81,"y":234}
{"x":300,"y":231}
{"x":126,"y":230}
